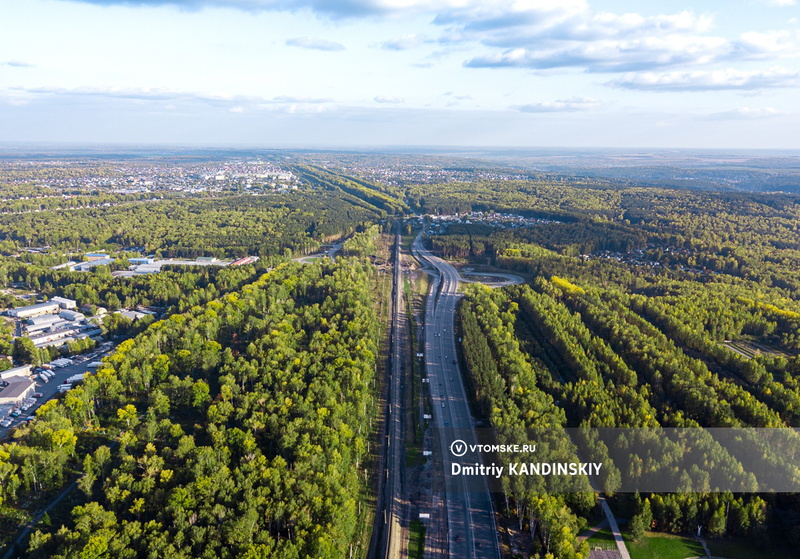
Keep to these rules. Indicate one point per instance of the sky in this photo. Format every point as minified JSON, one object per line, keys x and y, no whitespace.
{"x":368,"y":73}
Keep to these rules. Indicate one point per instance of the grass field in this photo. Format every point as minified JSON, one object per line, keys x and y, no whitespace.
{"x":658,"y":545}
{"x":416,"y":540}
{"x":665,"y":546}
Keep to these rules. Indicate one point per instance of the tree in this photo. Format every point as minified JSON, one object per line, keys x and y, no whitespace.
{"x":640,"y":521}
{"x":716,"y":524}
{"x":25,"y":352}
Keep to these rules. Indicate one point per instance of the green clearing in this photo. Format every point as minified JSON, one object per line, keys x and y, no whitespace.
{"x":657,"y":545}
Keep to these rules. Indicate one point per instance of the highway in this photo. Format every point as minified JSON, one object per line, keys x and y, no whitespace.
{"x":465,"y":518}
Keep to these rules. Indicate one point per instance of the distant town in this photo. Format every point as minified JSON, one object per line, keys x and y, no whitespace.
{"x":115,"y":177}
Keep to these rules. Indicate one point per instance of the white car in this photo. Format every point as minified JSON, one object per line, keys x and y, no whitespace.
{"x":5,"y":423}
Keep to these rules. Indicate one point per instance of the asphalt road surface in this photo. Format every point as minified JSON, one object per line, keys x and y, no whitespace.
{"x":330,"y":253}
{"x":468,"y":516}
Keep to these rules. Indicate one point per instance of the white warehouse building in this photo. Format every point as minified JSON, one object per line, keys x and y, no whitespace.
{"x":72,"y":316}
{"x":34,"y":310}
{"x":66,"y":304}
{"x":41,"y":322}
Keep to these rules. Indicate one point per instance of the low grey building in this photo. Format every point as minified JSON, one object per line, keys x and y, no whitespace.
{"x":16,"y":392}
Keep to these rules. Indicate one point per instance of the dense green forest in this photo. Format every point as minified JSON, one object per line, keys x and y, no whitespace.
{"x":644,"y":308}
{"x":227,"y":226}
{"x":239,"y":423}
{"x":238,"y":428}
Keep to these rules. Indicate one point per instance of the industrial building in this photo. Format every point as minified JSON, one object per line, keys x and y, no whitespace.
{"x":86,"y":266}
{"x":72,"y":316}
{"x":131,"y":315}
{"x":53,"y":322}
{"x":34,"y":310}
{"x":244,"y":261}
{"x":65,"y":335}
{"x":41,"y":322}
{"x":16,"y":392}
{"x":66,"y":304}
{"x":15,"y":373}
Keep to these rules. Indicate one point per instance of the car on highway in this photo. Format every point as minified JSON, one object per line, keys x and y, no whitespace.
{"x":442,"y":404}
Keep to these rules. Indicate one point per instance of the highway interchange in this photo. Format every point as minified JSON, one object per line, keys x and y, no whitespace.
{"x":461,"y":523}
{"x":466,"y":517}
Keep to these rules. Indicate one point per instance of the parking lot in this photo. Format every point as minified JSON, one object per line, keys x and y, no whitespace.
{"x":50,"y":389}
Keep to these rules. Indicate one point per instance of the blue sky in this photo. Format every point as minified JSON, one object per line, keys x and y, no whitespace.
{"x":326,"y":73}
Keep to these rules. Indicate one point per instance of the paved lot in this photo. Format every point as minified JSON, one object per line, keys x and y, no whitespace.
{"x":597,"y":554}
{"x":48,"y":390}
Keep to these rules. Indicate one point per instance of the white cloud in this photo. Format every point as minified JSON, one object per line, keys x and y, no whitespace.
{"x":172,"y":99}
{"x":16,"y":64}
{"x":640,"y":53}
{"x":702,"y":80}
{"x":389,"y":99}
{"x":755,"y":45}
{"x":314,"y":44}
{"x":574,"y":104}
{"x":746,"y":113}
{"x":296,"y":99}
{"x":781,"y":3}
{"x":536,"y":34}
{"x":404,"y":42}
{"x":521,"y":36}
{"x":330,"y":8}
